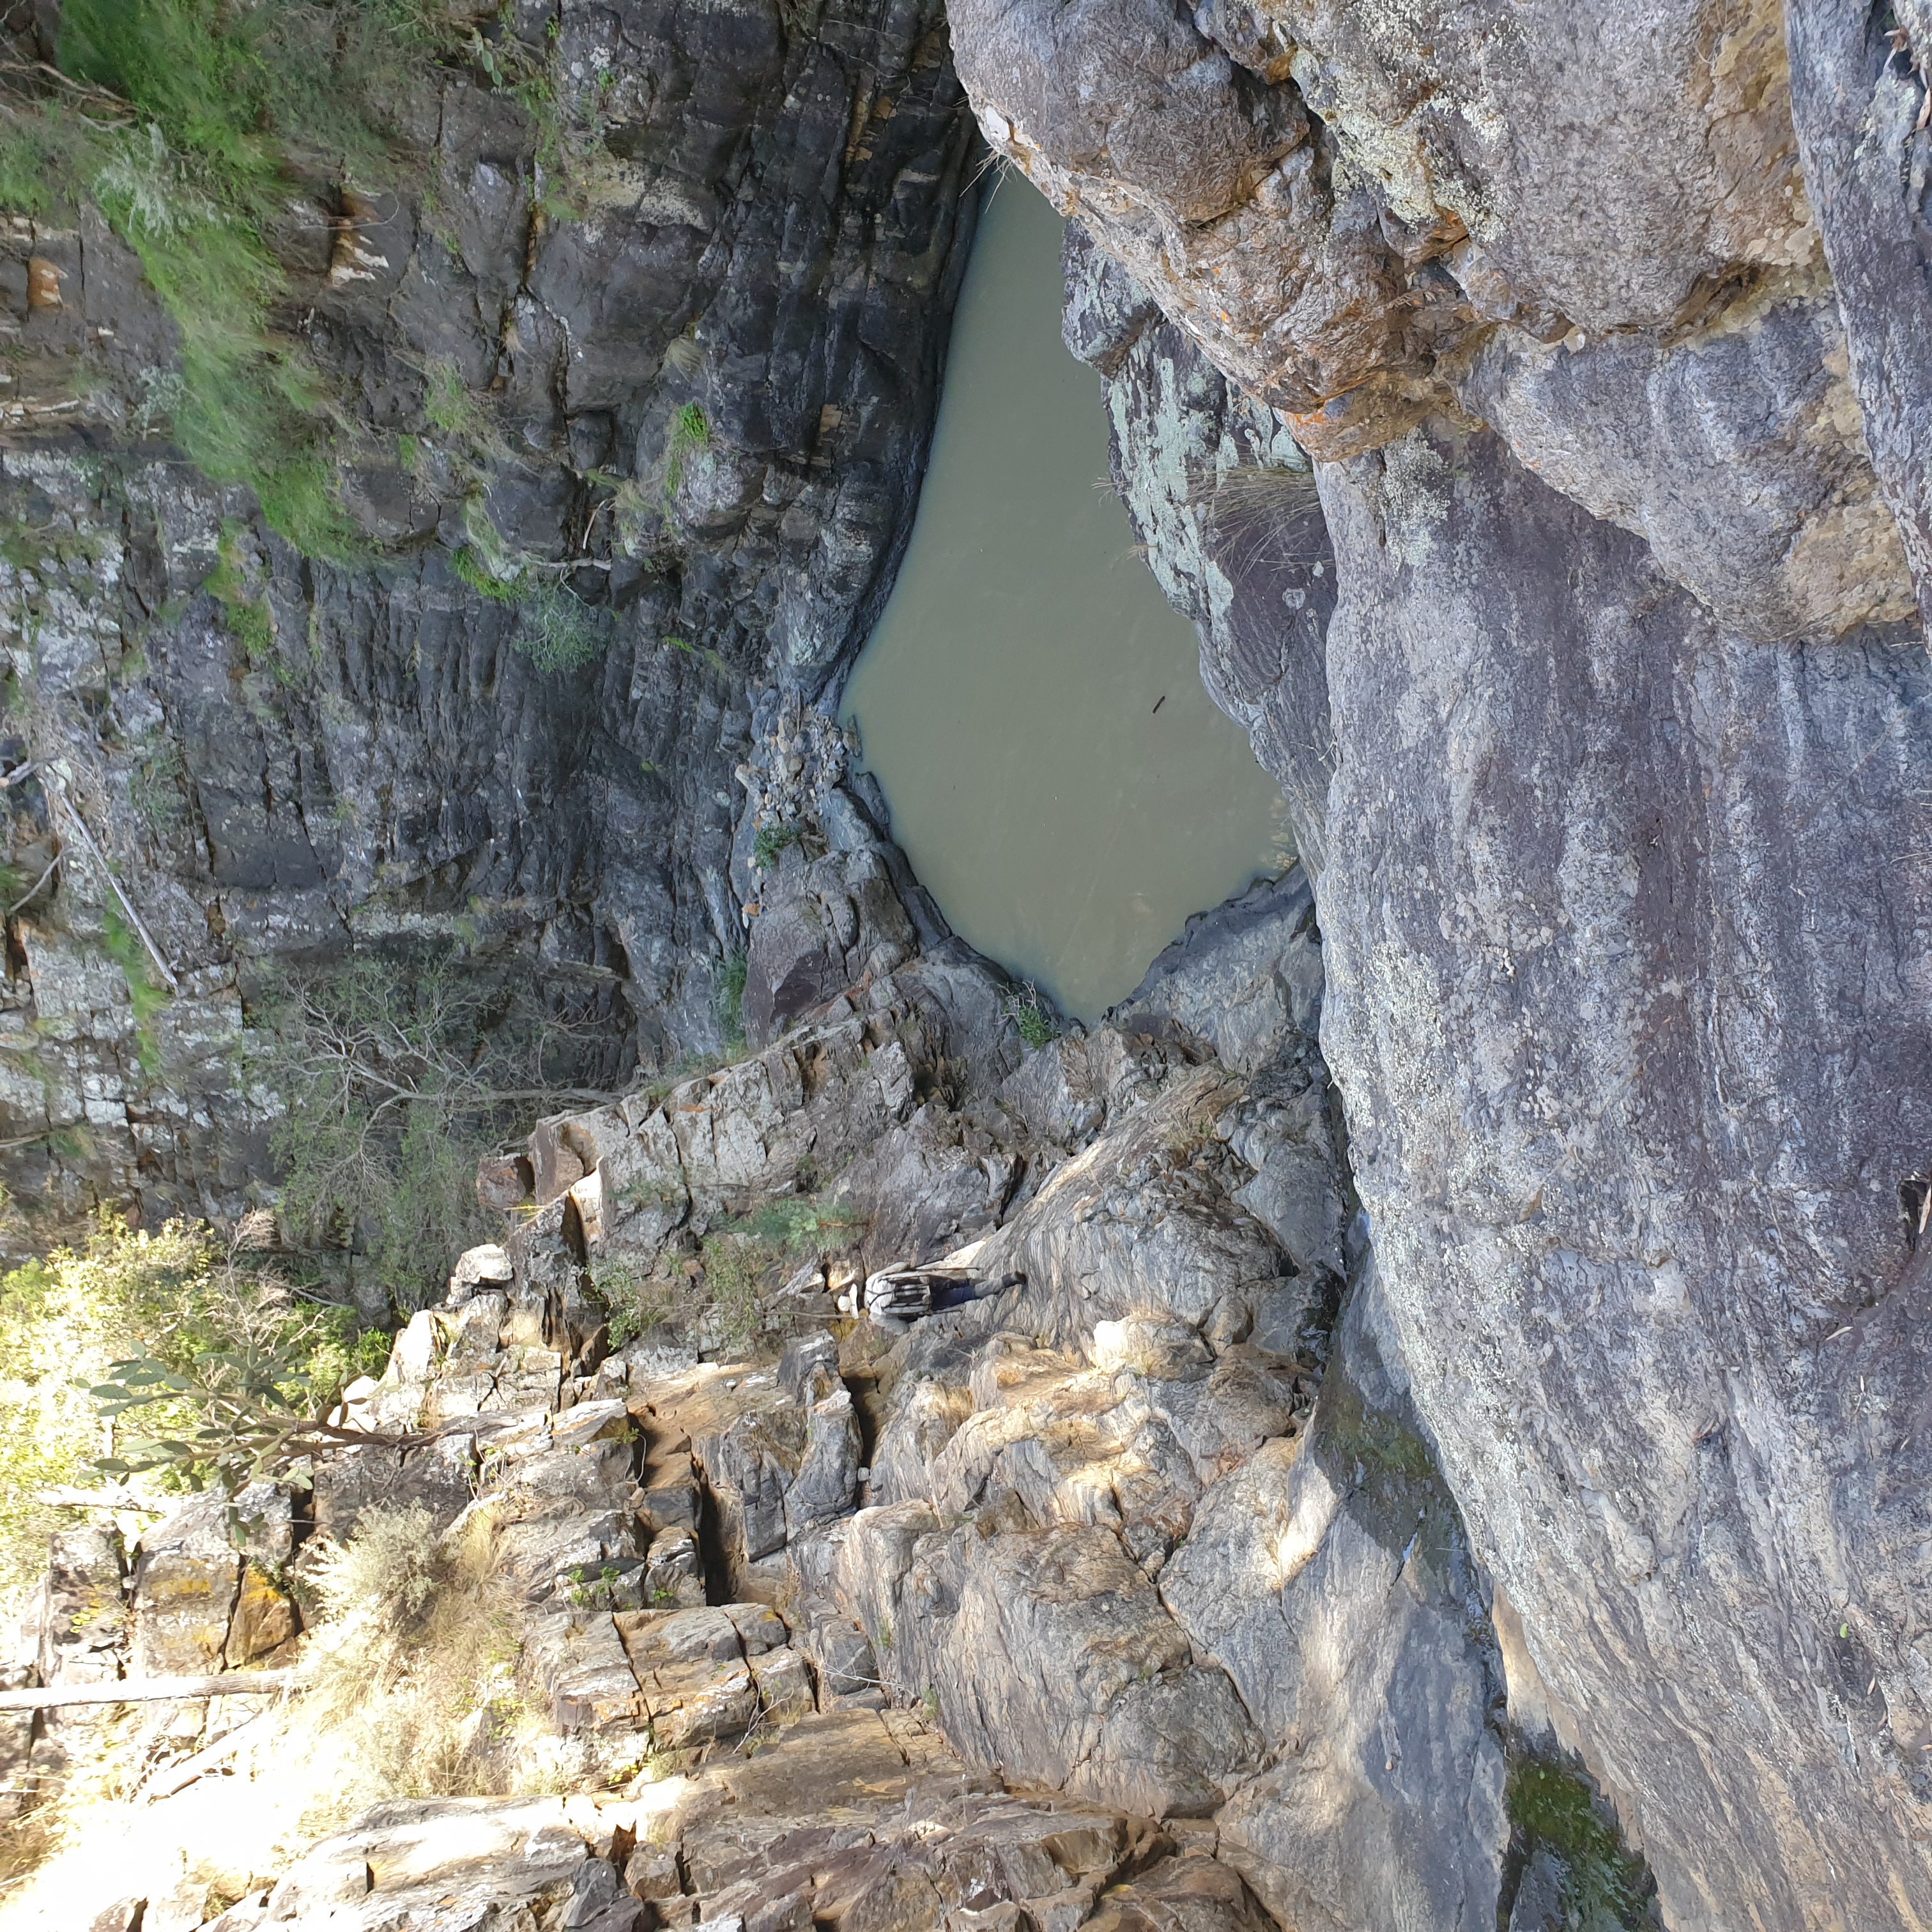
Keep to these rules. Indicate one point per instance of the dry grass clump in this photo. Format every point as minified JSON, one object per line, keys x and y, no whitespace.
{"x":407,"y":1689}
{"x":1267,"y":503}
{"x":412,"y":1658}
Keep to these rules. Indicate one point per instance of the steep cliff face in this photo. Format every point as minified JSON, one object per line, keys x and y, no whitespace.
{"x":1610,"y":757}
{"x":632,"y":366}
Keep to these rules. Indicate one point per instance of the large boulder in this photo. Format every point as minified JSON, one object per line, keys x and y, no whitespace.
{"x":1330,"y":1577}
{"x":208,"y":1584}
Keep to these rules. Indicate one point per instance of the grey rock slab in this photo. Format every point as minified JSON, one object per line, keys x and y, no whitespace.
{"x":1191,"y":1893}
{"x":926,"y":1186}
{"x":1856,"y":99}
{"x":751,"y":1464}
{"x":1131,"y":1226}
{"x":455,"y":1858}
{"x":1049,"y":1656}
{"x":783,"y":1679}
{"x":820,"y":926}
{"x":76,"y":1623}
{"x":1246,"y":977}
{"x":585,"y":1422}
{"x":183,"y":1585}
{"x":1619,"y":960}
{"x":1299,"y":191}
{"x":1330,"y":1577}
{"x":1737,"y":452}
{"x":576,"y":1661}
{"x":825,"y":1484}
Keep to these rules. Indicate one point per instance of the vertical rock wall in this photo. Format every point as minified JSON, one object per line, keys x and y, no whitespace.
{"x":1623,"y":957}
{"x":1610,"y":759}
{"x":690,"y":387}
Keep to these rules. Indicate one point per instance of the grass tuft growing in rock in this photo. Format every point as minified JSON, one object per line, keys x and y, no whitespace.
{"x":1030,"y":1011}
{"x":246,"y":611}
{"x":412,"y":1659}
{"x":771,"y":841}
{"x":690,"y":433}
{"x":1604,"y":1886}
{"x":556,"y":629}
{"x":123,"y":946}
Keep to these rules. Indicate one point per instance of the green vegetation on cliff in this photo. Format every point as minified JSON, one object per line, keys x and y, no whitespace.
{"x":391,"y":1079}
{"x":188,"y":123}
{"x":179,"y":1296}
{"x":1555,"y":1809}
{"x":199,"y":129}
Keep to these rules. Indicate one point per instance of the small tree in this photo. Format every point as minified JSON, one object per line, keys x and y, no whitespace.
{"x":392,"y":1083}
{"x":173,"y":1303}
{"x":254,"y":1415}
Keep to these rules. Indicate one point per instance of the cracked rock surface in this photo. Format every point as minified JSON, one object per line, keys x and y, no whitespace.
{"x":775,"y":226}
{"x":1125,"y":1592}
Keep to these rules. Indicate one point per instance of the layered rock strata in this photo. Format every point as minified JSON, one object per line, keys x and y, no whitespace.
{"x":692,"y":403}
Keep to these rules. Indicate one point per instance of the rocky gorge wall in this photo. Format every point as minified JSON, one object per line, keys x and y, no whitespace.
{"x":681,"y":384}
{"x":1119,"y":1590}
{"x":1587,"y":652}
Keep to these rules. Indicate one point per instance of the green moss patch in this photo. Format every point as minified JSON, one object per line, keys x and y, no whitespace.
{"x":1605,"y":1884}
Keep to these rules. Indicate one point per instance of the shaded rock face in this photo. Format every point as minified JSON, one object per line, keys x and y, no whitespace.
{"x":774,"y":221}
{"x":1602,"y":734}
{"x":1856,"y":98}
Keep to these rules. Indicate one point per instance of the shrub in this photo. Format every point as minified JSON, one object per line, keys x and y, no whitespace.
{"x":638,"y":1301}
{"x":795,"y":1222}
{"x":393,"y":1080}
{"x":156,"y":786}
{"x":1272,"y":505}
{"x":741,"y":1260}
{"x":771,"y":842}
{"x":448,"y":404}
{"x":179,"y":1296}
{"x":411,"y":1655}
{"x":556,"y":630}
{"x":1030,"y":1011}
{"x":737,"y":1268}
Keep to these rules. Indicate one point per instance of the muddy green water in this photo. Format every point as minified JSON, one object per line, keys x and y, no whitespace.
{"x":1031,"y":703}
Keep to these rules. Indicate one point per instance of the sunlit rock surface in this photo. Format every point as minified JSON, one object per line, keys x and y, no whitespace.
{"x":1125,"y":1592}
